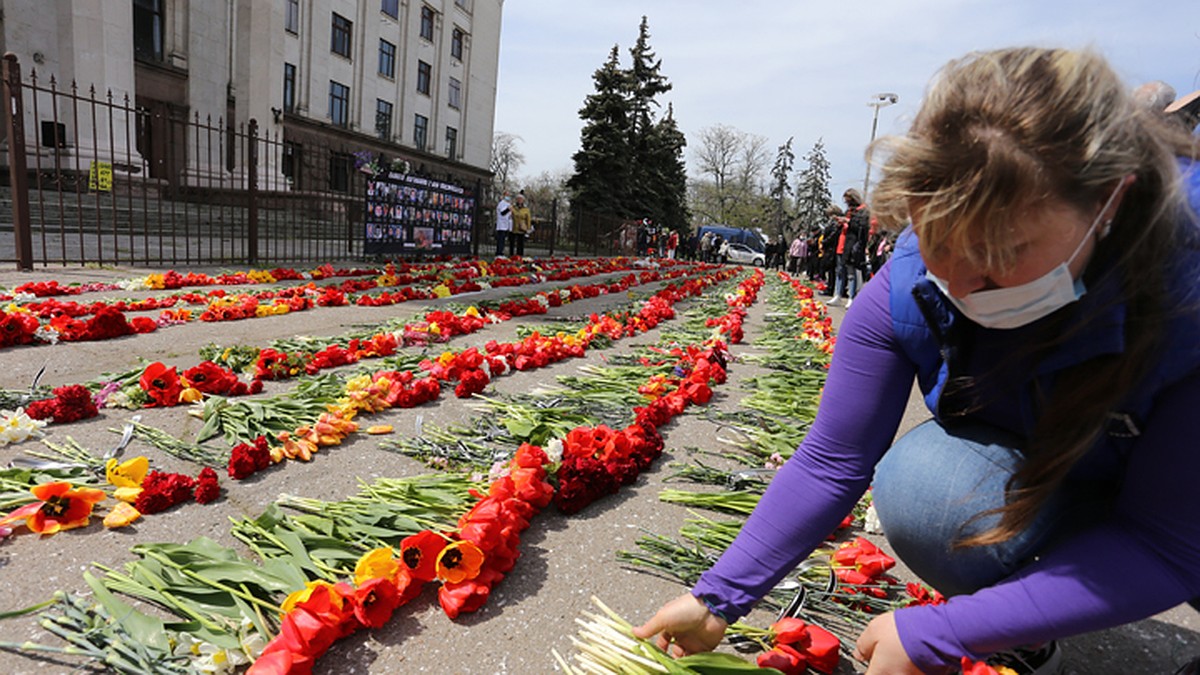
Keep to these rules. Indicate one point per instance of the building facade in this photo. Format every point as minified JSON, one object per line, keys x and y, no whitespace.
{"x":409,"y":80}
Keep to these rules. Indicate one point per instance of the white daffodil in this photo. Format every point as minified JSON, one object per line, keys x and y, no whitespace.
{"x":253,"y":643}
{"x":206,"y":657}
{"x":17,"y":426}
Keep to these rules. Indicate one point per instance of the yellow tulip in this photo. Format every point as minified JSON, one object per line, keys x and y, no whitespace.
{"x":376,"y":564}
{"x":127,"y":474}
{"x":128,"y":494}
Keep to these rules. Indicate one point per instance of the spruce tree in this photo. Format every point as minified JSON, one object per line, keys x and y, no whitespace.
{"x":780,"y":188}
{"x":812,"y":190}
{"x":646,"y":83}
{"x":667,"y":171}
{"x":602,"y":163}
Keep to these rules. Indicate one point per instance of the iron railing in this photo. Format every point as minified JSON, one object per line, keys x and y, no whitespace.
{"x":96,"y":179}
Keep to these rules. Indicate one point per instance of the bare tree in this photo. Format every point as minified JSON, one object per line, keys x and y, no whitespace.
{"x":543,"y":190}
{"x":731,"y":164}
{"x":506,"y":159}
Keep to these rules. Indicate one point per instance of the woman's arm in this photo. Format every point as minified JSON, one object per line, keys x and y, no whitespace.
{"x":869,"y":383}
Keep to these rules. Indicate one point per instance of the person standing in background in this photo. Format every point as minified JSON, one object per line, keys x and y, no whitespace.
{"x":796,"y":253}
{"x":706,"y":247}
{"x":504,"y":223}
{"x":522,"y":226}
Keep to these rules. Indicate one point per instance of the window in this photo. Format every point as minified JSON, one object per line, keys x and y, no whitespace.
{"x":383,"y":118}
{"x":424,"y":76}
{"x":339,"y":104}
{"x":420,"y":131}
{"x":427,"y":23}
{"x":340,"y":42}
{"x":387,"y":59}
{"x":391,"y":8}
{"x":456,"y":43}
{"x":451,"y":142}
{"x":290,"y":162}
{"x":339,"y":171}
{"x":148,"y":29}
{"x":291,"y":18}
{"x":289,"y":88}
{"x":464,"y":4}
{"x":455,"y":93}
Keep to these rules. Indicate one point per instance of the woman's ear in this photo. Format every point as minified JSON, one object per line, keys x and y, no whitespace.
{"x":1114,"y":205}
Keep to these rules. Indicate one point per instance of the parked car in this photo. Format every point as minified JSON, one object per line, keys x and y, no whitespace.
{"x":744,"y":255}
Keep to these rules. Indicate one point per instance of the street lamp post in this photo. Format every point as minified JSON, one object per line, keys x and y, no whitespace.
{"x":879,"y":101}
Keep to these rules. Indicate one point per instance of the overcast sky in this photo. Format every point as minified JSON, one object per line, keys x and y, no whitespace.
{"x":787,"y":68}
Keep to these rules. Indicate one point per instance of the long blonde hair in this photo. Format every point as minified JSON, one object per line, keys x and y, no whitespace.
{"x":1000,"y":132}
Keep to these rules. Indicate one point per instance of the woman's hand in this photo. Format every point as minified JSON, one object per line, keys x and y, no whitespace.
{"x":684,"y":626}
{"x":879,"y":645}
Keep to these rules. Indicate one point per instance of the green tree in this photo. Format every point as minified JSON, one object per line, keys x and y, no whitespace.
{"x":603,"y":162}
{"x":649,"y":149}
{"x":781,"y":188}
{"x":630,"y":163}
{"x":664,"y":168}
{"x":812,"y":189}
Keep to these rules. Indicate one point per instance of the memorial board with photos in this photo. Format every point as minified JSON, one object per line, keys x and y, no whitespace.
{"x":407,"y":214}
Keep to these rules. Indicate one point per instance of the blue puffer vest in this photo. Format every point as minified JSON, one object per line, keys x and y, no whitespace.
{"x":948,"y":349}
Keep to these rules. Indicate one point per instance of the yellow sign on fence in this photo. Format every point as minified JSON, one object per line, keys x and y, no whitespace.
{"x":100,"y":176}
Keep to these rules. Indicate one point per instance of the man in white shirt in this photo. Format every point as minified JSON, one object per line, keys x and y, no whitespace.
{"x":504,"y":223}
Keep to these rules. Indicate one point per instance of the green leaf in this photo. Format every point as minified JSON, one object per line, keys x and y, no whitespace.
{"x":145,"y":629}
{"x":211,"y":428}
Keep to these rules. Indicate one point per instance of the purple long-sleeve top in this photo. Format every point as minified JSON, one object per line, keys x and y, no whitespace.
{"x":1143,"y":559}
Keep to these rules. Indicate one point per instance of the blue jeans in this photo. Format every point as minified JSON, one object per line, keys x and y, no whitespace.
{"x":846,"y":284}
{"x":934,"y":480}
{"x":501,"y":237}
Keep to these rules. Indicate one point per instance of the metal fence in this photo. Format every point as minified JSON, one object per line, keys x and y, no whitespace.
{"x":96,"y":180}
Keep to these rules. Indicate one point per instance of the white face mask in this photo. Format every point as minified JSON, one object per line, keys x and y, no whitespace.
{"x":1017,"y":306}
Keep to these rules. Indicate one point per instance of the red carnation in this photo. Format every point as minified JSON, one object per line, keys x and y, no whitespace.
{"x":207,"y":489}
{"x":161,"y":491}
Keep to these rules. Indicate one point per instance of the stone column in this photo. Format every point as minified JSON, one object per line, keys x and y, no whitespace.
{"x":88,"y":43}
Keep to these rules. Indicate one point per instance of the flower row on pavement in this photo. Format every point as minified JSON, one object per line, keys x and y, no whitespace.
{"x":51,"y":321}
{"x":469,"y":371}
{"x":406,"y":271}
{"x":141,"y":493}
{"x":159,"y":385}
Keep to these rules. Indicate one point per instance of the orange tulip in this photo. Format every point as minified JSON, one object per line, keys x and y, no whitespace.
{"x":459,"y":561}
{"x":60,"y":507}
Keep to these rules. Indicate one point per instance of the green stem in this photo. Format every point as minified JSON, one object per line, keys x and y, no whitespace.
{"x":215,"y":584}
